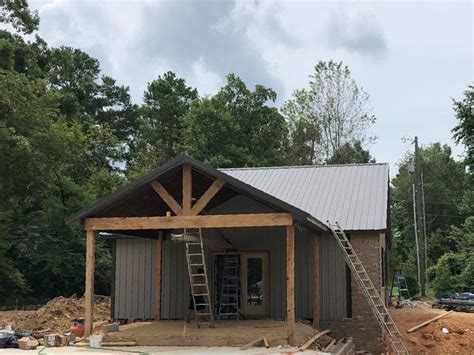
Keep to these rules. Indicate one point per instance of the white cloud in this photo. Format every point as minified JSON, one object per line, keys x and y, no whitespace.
{"x":423,"y":51}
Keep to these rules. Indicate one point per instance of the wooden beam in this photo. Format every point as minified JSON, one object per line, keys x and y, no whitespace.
{"x":316,"y":281}
{"x":89,"y":291}
{"x":158,"y":263}
{"x":165,"y":196}
{"x":175,"y":222}
{"x":187,"y":189}
{"x":428,"y":322}
{"x":290,"y":283}
{"x":207,"y":196}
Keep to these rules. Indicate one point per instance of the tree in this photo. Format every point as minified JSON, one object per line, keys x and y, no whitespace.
{"x":445,"y":182}
{"x":337,"y":108}
{"x":464,"y":131}
{"x":351,"y":154}
{"x":237,"y":127}
{"x":18,"y":14}
{"x":165,"y":103}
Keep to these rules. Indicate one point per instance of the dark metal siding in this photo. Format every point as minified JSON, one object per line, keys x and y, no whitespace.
{"x":333,"y":280}
{"x":134,"y":282}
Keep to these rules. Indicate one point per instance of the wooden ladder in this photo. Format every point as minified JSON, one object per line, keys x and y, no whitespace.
{"x":371,"y":294}
{"x":198,"y":279}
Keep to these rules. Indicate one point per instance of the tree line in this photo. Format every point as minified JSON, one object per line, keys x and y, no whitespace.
{"x":70,"y":134}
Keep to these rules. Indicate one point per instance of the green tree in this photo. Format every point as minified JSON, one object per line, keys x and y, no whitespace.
{"x":335,"y":106}
{"x":165,"y":103}
{"x":464,"y":131}
{"x":18,"y":14}
{"x":237,"y":127}
{"x":351,"y":154}
{"x":445,"y":182}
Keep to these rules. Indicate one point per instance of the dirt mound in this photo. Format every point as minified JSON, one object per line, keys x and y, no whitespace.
{"x":431,"y":339}
{"x":58,"y":314}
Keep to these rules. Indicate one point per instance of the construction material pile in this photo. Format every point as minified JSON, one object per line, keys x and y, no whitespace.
{"x":57,"y":315}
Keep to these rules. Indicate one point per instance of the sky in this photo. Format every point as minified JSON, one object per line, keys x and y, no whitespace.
{"x":412,"y":58}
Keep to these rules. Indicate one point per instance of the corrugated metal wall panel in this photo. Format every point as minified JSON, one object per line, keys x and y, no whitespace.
{"x":134,"y":278}
{"x":333,"y":280}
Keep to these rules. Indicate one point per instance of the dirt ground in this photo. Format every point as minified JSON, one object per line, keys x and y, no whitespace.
{"x":226,"y":333}
{"x":430,"y":339}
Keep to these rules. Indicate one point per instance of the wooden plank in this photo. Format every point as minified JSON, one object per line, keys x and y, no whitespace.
{"x":158,"y":270}
{"x":266,"y":343}
{"x":254,"y":343}
{"x":326,"y":349}
{"x":316,"y":281}
{"x":89,"y":290}
{"x":313,"y":339}
{"x":165,"y":196}
{"x":421,"y":325}
{"x":207,"y":196}
{"x":174,"y":222}
{"x":187,"y":189}
{"x":290,"y":283}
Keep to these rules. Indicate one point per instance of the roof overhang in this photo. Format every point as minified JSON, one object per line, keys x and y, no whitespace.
{"x":104,"y":203}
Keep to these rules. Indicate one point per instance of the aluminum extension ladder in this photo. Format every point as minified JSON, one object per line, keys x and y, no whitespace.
{"x":229,"y":299}
{"x":373,"y":298}
{"x":198,"y":279}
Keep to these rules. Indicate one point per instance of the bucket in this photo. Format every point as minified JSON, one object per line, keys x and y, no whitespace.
{"x":95,"y":341}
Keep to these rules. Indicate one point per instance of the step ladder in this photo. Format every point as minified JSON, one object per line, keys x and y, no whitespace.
{"x":371,"y":294}
{"x":400,"y":282}
{"x":230,"y":288}
{"x":198,"y":278}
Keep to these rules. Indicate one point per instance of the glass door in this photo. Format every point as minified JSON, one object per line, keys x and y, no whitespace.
{"x":254,"y":284}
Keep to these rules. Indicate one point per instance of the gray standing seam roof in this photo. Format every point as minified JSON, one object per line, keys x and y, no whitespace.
{"x":354,"y":195}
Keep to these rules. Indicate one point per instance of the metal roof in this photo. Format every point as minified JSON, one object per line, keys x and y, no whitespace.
{"x":239,"y":185}
{"x":354,"y":195}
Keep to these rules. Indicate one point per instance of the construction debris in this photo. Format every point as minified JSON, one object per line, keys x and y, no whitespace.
{"x":59,"y":313}
{"x":28,"y":343}
{"x":313,"y":339}
{"x":427,"y":322}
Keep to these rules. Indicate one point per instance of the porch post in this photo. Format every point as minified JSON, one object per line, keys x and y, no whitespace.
{"x":89,"y":291}
{"x":158,"y":270}
{"x":316,"y":282}
{"x":290,"y":282}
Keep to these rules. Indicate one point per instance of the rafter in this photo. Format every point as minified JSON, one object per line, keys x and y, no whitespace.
{"x":165,"y":196}
{"x":207,"y":196}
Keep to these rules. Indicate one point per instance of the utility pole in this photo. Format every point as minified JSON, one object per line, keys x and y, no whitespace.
{"x":420,"y":223}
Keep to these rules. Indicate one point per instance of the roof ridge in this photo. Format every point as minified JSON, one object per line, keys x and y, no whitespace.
{"x":301,"y":166}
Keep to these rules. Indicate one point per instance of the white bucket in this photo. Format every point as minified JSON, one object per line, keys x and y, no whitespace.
{"x":95,"y":341}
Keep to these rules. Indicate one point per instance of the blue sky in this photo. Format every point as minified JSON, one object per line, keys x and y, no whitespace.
{"x":411,"y":57}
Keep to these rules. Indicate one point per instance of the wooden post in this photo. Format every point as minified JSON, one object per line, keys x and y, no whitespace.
{"x":158,"y":263}
{"x":89,"y":292}
{"x":187,"y":189}
{"x":316,"y":281}
{"x":290,"y":283}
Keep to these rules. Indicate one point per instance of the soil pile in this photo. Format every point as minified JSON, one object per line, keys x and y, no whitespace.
{"x":459,"y":338}
{"x":58,"y":314}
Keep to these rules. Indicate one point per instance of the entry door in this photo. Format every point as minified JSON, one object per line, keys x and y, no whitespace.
{"x":254,"y":276}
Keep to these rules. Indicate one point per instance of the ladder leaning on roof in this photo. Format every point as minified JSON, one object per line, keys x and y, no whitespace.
{"x":371,"y":294}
